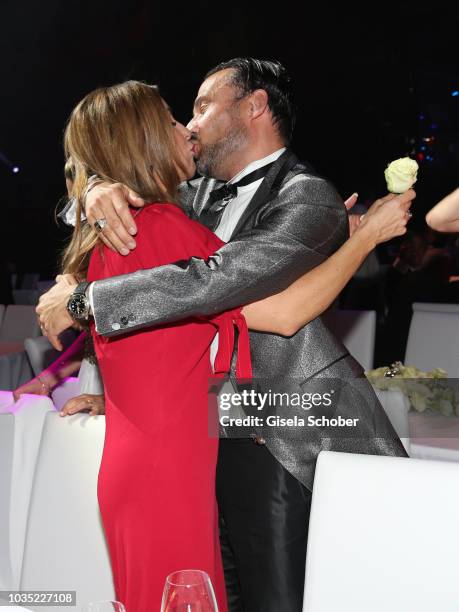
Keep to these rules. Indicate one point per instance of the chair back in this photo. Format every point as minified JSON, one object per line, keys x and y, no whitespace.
{"x":383,"y":535}
{"x":433,"y":340}
{"x":41,"y":352}
{"x":19,"y":323}
{"x":357,"y":330}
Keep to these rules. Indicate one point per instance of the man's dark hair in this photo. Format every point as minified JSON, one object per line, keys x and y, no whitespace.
{"x":251,"y":74}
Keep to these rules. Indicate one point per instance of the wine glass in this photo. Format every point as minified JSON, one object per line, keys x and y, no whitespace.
{"x":189,"y":591}
{"x":103,"y":606}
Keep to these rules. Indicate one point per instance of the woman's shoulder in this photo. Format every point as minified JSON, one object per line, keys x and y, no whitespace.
{"x":159,"y":216}
{"x":159,"y":212}
{"x":169,"y":219}
{"x":166,"y":234}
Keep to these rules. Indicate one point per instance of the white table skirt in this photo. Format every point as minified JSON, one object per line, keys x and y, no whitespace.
{"x":24,"y":422}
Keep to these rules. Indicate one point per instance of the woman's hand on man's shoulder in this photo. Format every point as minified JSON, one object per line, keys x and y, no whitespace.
{"x":111,"y":202}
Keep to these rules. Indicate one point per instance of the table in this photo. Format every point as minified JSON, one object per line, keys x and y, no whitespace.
{"x":21,"y":424}
{"x":434,"y":436}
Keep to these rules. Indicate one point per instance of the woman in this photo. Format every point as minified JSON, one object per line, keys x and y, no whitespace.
{"x":444,"y":216}
{"x":156,"y":481}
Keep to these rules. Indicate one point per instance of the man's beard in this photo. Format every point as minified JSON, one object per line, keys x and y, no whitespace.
{"x":214,"y":157}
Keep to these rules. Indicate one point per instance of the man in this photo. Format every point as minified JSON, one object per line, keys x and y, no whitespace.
{"x":280,"y":221}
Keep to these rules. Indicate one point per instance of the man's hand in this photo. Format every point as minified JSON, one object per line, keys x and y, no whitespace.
{"x":52,"y":309}
{"x":111,"y":201}
{"x":82,"y":403}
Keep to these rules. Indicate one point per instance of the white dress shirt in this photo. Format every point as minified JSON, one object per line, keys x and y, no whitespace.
{"x":235,"y":209}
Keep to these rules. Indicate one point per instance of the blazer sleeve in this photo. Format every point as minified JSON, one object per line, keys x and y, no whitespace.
{"x":300,"y":228}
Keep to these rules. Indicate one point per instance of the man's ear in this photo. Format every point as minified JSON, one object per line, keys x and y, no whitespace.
{"x":258,"y":103}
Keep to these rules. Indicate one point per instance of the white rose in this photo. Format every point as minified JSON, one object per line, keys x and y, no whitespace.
{"x":401,"y":174}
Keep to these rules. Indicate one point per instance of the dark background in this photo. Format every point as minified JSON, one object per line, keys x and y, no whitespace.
{"x":372,"y":83}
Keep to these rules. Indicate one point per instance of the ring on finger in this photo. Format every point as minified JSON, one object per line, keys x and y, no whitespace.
{"x":100,"y":224}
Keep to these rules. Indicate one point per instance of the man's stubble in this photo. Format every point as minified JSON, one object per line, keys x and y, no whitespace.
{"x":215,"y":157}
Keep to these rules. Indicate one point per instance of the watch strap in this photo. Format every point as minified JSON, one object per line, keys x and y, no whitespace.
{"x":81,"y":288}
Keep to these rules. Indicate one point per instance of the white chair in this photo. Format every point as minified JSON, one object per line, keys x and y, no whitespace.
{"x":433,"y":340}
{"x":383,"y":535}
{"x":65,"y":545}
{"x":357,"y":331}
{"x":41,"y":352}
{"x":19,"y":323}
{"x":397,"y":407}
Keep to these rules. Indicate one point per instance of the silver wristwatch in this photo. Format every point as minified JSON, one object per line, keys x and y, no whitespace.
{"x":78,"y":304}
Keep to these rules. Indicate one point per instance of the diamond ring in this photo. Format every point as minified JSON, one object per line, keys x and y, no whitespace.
{"x":100,"y":224}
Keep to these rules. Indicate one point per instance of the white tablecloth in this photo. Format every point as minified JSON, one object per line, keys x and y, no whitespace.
{"x":426,"y":435}
{"x":22,"y":424}
{"x":434,"y":436}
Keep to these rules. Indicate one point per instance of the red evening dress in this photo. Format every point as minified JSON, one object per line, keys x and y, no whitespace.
{"x":156,"y":486}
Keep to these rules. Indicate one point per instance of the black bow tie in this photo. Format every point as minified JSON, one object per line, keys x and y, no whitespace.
{"x":219,"y":198}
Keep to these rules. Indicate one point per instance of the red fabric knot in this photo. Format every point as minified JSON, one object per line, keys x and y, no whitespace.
{"x":226,"y":322}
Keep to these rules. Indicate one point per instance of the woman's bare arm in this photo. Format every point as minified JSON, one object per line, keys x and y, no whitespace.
{"x":286,"y":312}
{"x":444,"y":216}
{"x":67,"y":364}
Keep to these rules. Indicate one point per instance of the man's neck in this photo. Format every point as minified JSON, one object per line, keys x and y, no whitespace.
{"x":242,"y":160}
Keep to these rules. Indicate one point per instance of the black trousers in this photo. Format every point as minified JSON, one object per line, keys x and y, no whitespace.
{"x":264,"y":515}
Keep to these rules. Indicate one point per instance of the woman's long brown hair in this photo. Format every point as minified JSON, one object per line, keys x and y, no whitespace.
{"x":122,"y":134}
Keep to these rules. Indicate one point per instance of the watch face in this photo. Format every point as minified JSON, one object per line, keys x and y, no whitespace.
{"x":78,"y":306}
